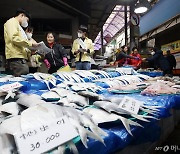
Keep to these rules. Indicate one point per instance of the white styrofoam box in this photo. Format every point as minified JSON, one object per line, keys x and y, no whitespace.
{"x":125,"y":70}
{"x":100,"y":62}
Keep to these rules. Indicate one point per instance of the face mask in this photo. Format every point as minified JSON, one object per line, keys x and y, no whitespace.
{"x":24,"y":23}
{"x":79,"y":34}
{"x":29,"y":35}
{"x":152,"y":53}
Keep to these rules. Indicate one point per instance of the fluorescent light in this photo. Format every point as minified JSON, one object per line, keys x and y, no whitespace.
{"x":142,"y":6}
{"x":141,"y":9}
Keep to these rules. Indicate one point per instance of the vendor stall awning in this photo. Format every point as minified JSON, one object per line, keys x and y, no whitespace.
{"x":160,"y":13}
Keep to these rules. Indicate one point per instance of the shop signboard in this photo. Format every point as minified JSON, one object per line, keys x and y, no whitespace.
{"x":174,"y":47}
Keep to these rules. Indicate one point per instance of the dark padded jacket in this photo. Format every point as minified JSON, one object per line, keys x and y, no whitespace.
{"x":55,"y":57}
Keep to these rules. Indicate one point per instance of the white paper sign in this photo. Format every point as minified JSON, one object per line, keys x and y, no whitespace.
{"x":46,"y":137}
{"x":131,"y":105}
{"x":11,"y":86}
{"x":41,"y":48}
{"x":82,"y":44}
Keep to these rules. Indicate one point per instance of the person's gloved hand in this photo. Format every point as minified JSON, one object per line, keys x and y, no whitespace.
{"x":65,"y":61}
{"x":136,"y":58}
{"x":46,"y":62}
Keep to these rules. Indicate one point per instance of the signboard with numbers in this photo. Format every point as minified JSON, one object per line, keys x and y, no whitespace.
{"x":129,"y":104}
{"x":46,"y":137}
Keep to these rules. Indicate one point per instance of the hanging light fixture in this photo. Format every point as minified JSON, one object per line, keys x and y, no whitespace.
{"x":142,"y":6}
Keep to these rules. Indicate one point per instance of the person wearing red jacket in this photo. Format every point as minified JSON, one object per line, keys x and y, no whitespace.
{"x":122,"y":57}
{"x":135,"y":62}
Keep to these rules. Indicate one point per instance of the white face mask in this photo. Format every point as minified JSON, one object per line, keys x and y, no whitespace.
{"x":24,"y":23}
{"x":29,"y":35}
{"x":152,"y":53}
{"x":79,"y":35}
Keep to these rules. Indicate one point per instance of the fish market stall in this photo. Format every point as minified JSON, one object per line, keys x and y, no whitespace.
{"x":150,"y":72}
{"x":87,"y":111}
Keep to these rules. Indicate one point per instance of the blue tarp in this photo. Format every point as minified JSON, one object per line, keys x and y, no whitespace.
{"x":165,"y":101}
{"x":118,"y":138}
{"x":152,"y":74}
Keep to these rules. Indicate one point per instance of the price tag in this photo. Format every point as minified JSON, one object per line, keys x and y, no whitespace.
{"x":11,"y":86}
{"x":131,"y":105}
{"x":45,"y":137}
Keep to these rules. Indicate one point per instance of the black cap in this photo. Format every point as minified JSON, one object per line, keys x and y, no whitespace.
{"x":21,"y":10}
{"x":83,"y":28}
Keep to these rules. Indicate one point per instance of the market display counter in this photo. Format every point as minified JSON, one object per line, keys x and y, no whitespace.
{"x":144,"y":140}
{"x":166,"y":128}
{"x":151,"y":73}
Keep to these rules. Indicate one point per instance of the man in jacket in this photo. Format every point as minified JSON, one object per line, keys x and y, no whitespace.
{"x":82,"y":49}
{"x":172,"y":61}
{"x":159,"y":61}
{"x":16,"y":42}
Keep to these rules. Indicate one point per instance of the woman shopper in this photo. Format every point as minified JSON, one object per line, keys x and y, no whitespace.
{"x":135,"y":62}
{"x":122,"y":57}
{"x":58,"y":55}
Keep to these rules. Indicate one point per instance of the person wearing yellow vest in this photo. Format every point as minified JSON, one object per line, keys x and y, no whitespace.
{"x":16,"y":42}
{"x":83,"y":49}
{"x":33,"y":57}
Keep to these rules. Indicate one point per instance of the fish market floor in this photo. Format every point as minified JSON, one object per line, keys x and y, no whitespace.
{"x":172,"y":142}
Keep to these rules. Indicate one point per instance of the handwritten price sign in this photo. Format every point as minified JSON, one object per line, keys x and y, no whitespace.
{"x":129,"y":104}
{"x":11,"y":86}
{"x":45,"y":137}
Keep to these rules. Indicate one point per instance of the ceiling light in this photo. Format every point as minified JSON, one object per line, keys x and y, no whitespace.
{"x":141,"y":9}
{"x":142,"y":6}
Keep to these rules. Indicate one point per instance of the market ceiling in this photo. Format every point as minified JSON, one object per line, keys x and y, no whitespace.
{"x":94,"y":13}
